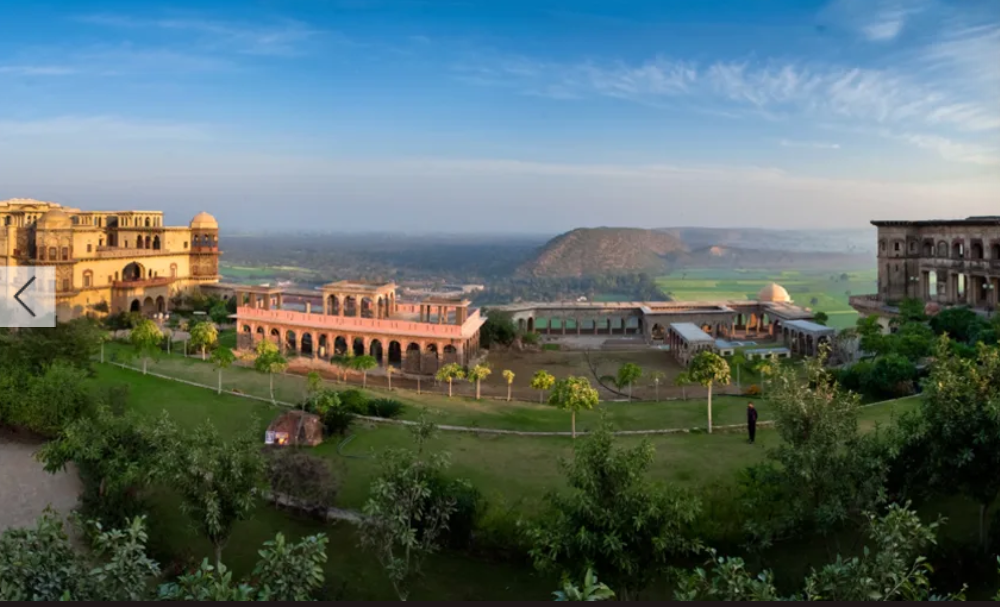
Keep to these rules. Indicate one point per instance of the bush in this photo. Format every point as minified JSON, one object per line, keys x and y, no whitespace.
{"x":468,"y":506}
{"x":123,"y":320}
{"x":753,"y":390}
{"x":500,"y":535}
{"x":306,"y":478}
{"x":337,"y":420}
{"x":529,"y":339}
{"x":389,"y":408}
{"x":551,"y":347}
{"x":354,"y":401}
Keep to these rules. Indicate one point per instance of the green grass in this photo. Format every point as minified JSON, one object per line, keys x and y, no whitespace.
{"x":815,"y":290}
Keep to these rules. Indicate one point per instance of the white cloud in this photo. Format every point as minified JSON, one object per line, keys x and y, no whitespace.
{"x":874,"y":20}
{"x":99,"y":128}
{"x":809,"y":144}
{"x":953,"y":150}
{"x":284,"y":39}
{"x":38,"y":70}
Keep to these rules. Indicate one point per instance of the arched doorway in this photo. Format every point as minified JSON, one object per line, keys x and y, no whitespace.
{"x":324,"y":346}
{"x":161,"y":304}
{"x":276,"y":337}
{"x":658,"y":333}
{"x":307,"y":344}
{"x":359,"y":346}
{"x":395,"y":354}
{"x":450,"y":354}
{"x":333,"y":304}
{"x":339,"y":346}
{"x":375,"y":350}
{"x":148,"y":306}
{"x":350,"y":306}
{"x":531,"y":324}
{"x":413,"y":357}
{"x":136,"y":306}
{"x":290,"y":341}
{"x":133,"y":271}
{"x":367,"y":308}
{"x":521,"y":325}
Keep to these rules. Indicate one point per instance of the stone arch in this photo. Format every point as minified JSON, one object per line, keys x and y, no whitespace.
{"x":147,"y":222}
{"x":136,"y":306}
{"x":133,"y":271}
{"x":148,"y":306}
{"x":323,"y":346}
{"x":260,"y":334}
{"x":942,"y":249}
{"x":173,"y":274}
{"x":245,"y":329}
{"x":521,"y":325}
{"x":367,"y":307}
{"x":339,"y":345}
{"x":977,"y":251}
{"x":395,"y":354}
{"x":375,"y":350}
{"x":450,"y":354}
{"x":350,"y":305}
{"x":359,"y":346}
{"x":291,"y":341}
{"x":411,"y":362}
{"x":161,"y":304}
{"x":958,"y":249}
{"x":275,"y":336}
{"x":928,"y":250}
{"x":156,"y":243}
{"x":658,"y":332}
{"x":531,"y":324}
{"x":307,"y":344}
{"x":995,"y":251}
{"x":333,"y":305}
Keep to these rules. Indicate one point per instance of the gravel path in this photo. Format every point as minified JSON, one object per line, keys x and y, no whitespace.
{"x":26,"y":489}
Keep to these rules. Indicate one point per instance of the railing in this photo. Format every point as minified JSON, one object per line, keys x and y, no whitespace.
{"x":353,"y":323}
{"x":122,"y":252}
{"x":870,"y":302}
{"x":143,"y":283}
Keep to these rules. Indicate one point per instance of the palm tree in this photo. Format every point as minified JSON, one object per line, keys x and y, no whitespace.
{"x":708,"y":368}
{"x":509,"y":376}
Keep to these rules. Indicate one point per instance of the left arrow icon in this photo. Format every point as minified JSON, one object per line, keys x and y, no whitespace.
{"x":17,"y":296}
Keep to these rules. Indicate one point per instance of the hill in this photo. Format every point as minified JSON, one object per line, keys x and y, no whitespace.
{"x":598,"y":251}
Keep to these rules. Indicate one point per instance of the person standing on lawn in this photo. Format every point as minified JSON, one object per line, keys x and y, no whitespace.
{"x":751,"y":422}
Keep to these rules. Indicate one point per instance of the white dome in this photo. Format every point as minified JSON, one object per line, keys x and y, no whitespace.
{"x":775,"y":293}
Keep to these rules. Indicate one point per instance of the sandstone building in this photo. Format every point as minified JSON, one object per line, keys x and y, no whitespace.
{"x":109,"y":261}
{"x":942,"y":263}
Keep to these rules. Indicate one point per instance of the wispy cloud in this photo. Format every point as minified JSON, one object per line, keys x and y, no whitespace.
{"x":39,"y":70}
{"x":101,"y":127}
{"x":283,"y":39}
{"x":954,"y":150}
{"x":875,"y":20}
{"x":786,"y":143}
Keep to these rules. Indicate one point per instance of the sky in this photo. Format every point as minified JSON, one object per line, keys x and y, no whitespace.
{"x":505,"y":116}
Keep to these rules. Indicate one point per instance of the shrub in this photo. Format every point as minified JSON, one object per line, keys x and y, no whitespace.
{"x":753,"y":390}
{"x":354,"y":401}
{"x":529,"y":339}
{"x":306,"y":478}
{"x":500,"y":534}
{"x":468,"y":506}
{"x":337,"y":420}
{"x":388,"y":408}
{"x":551,"y":347}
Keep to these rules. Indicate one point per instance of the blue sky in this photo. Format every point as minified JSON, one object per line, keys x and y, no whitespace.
{"x":505,"y":116}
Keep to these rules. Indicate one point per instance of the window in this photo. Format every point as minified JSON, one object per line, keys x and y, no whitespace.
{"x":53,"y":256}
{"x":173,"y":270}
{"x":88,"y":279}
{"x":895,"y":246}
{"x":65,"y":254}
{"x":185,"y":244}
{"x":881,"y":245}
{"x":110,"y":278}
{"x":90,"y":247}
{"x":65,"y":284}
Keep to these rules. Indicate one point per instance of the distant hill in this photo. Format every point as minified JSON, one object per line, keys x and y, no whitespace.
{"x":598,"y":251}
{"x":859,"y":241}
{"x":756,"y":259}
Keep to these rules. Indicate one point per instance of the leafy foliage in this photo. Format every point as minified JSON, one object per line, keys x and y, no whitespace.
{"x":498,"y":329}
{"x":450,"y":373}
{"x":708,"y":368}
{"x":592,"y":590}
{"x":612,"y":518}
{"x":574,"y":394}
{"x":269,"y":361}
{"x":388,"y":408}
{"x":204,"y":336}
{"x":542,"y":381}
{"x":145,"y":338}
{"x":306,"y":478}
{"x":45,"y":402}
{"x":354,"y":400}
{"x":477,"y":374}
{"x":627,"y":375}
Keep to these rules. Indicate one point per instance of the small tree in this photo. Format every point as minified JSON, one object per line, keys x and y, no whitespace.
{"x":574,"y":394}
{"x":477,"y":374}
{"x":509,"y":376}
{"x":628,"y":374}
{"x":682,"y":381}
{"x":343,"y":363}
{"x":223,"y":358}
{"x":737,"y":361}
{"x":219,"y":313}
{"x":404,"y":518}
{"x":708,"y":368}
{"x":657,"y":377}
{"x":270,"y":361}
{"x":542,"y":381}
{"x":821,"y":318}
{"x":204,"y":336}
{"x":218,"y":480}
{"x":145,"y":337}
{"x":314,"y":383}
{"x":449,"y":373}
{"x":364,"y":364}
{"x":306,"y":478}
{"x":389,"y":372}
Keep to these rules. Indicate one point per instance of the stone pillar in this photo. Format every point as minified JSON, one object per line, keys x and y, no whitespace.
{"x":308,"y":308}
{"x":577,"y":321}
{"x":281,"y":301}
{"x":562,"y":322}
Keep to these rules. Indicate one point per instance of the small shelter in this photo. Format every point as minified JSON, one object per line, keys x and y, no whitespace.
{"x":296,"y":428}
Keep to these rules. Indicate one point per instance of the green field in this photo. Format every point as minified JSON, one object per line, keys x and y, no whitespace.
{"x":822,"y":291}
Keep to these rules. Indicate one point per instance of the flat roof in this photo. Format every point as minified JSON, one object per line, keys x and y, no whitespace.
{"x":691,"y":333}
{"x":981,"y":220}
{"x":809,"y":327}
{"x":359,"y":285}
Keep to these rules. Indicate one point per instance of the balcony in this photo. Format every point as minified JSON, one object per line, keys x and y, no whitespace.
{"x":143,"y":283}
{"x":871,"y":303}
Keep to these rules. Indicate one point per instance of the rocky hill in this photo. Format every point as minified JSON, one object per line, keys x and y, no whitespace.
{"x":598,"y":251}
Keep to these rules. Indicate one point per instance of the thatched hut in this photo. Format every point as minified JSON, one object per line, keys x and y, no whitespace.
{"x":295,"y":428}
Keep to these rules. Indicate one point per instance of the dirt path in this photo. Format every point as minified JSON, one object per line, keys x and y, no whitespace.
{"x":26,"y":489}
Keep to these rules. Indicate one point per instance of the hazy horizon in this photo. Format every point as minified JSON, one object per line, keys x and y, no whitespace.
{"x":517,"y":117}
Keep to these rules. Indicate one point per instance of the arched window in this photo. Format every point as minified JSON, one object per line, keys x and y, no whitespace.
{"x":147,"y":222}
{"x":53,"y":256}
{"x":173,"y":270}
{"x":88,"y":279}
{"x":65,"y":254}
{"x":942,"y":249}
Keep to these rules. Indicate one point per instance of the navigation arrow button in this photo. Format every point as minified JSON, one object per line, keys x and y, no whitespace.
{"x":17,"y":296}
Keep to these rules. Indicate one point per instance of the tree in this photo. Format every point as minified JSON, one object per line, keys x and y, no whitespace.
{"x":824,"y":471}
{"x":364,"y":364}
{"x":592,"y":590}
{"x":628,"y":374}
{"x":960,"y":430}
{"x":961,"y":324}
{"x":682,"y":381}
{"x":574,"y":394}
{"x":477,"y":374}
{"x":222,"y":358}
{"x":657,"y":377}
{"x":708,"y":368}
{"x":542,"y":381}
{"x":305,"y":478}
{"x":613,"y":518}
{"x":219,"y":313}
{"x":270,"y":361}
{"x":145,"y":337}
{"x":343,"y":362}
{"x":389,"y":372}
{"x":314,"y":382}
{"x":404,"y":520}
{"x":204,"y":335}
{"x":449,"y":373}
{"x":499,"y":328}
{"x":509,"y":376}
{"x":218,"y":480}
{"x":737,"y":361}
{"x":821,"y":318}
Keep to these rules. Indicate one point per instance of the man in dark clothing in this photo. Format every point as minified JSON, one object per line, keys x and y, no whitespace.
{"x":751,"y":422}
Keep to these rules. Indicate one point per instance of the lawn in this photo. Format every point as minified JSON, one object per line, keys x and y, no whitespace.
{"x":821,"y":291}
